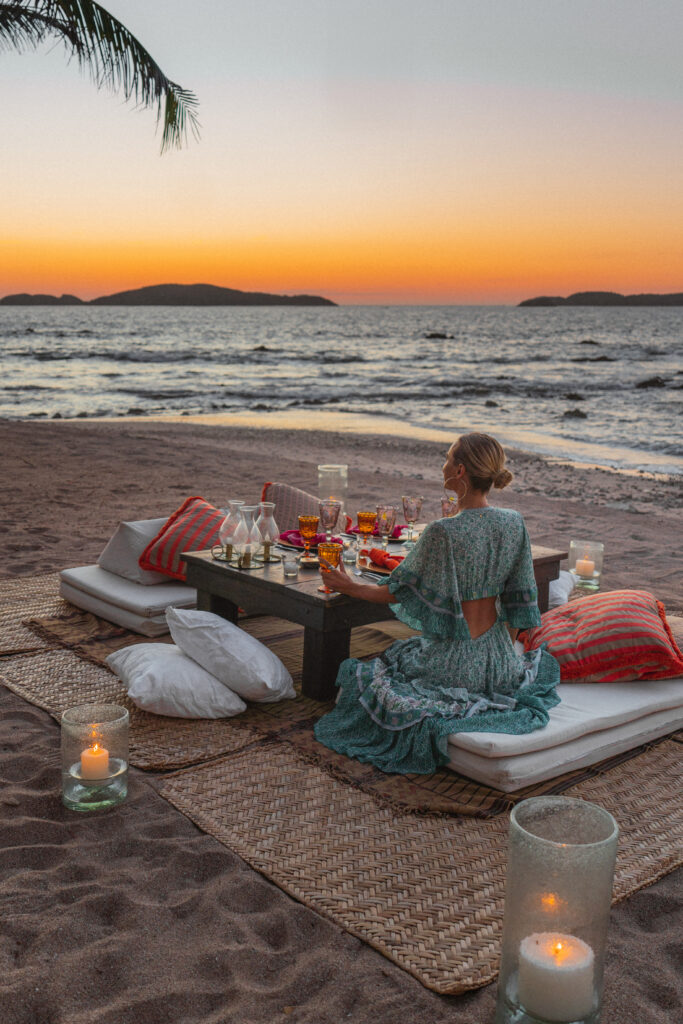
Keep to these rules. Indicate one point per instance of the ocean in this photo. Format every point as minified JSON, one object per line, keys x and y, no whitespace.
{"x":591,"y":384}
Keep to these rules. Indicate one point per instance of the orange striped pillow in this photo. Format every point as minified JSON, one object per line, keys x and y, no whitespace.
{"x":609,"y":638}
{"x":192,"y":527}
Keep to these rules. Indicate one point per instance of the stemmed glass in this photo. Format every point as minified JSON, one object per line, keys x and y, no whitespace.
{"x":329,"y":516}
{"x":386,"y":520}
{"x":411,"y":510}
{"x":308,"y":528}
{"x":331,"y":553}
{"x":449,"y":506}
{"x":366,"y":524}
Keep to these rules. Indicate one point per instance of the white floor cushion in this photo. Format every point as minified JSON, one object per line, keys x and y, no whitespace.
{"x":121,"y":554}
{"x":131,"y":605}
{"x":592,"y":722}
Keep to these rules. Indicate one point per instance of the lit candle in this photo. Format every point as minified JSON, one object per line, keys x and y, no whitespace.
{"x":585,"y":566}
{"x":95,"y":762}
{"x":556,"y":976}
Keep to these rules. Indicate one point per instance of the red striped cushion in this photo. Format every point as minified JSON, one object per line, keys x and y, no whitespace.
{"x":192,"y":527}
{"x":609,"y":638}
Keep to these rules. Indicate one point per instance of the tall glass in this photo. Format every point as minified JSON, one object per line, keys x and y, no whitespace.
{"x":329,"y":516}
{"x":308,"y":528}
{"x":412,"y":506}
{"x":560,"y":871}
{"x":269,"y":530}
{"x":333,"y":482}
{"x":331,"y":553}
{"x":386,"y":521}
{"x":94,"y":756}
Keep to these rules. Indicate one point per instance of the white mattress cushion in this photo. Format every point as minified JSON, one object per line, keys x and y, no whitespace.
{"x":511,"y":773}
{"x":133,"y":597}
{"x":121,"y":554}
{"x":584,"y":708}
{"x":155,"y":625}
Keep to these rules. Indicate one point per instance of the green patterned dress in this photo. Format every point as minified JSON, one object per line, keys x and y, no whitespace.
{"x":397,"y":711}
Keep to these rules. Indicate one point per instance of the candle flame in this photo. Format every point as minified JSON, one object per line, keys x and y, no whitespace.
{"x":549,"y":901}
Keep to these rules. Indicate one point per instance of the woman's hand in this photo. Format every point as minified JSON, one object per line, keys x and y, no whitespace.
{"x":337,"y":579}
{"x":341,"y":582}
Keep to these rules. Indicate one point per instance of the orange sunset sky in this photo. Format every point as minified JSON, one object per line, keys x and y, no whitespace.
{"x":376,"y":152}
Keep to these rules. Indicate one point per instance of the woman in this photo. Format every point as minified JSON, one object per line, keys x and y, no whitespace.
{"x":465,"y":579}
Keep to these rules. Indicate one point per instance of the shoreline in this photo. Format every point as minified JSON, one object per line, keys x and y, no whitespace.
{"x":382,"y":426}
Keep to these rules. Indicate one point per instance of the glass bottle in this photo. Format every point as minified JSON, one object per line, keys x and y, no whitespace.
{"x":269,"y":530}
{"x":246,"y":539}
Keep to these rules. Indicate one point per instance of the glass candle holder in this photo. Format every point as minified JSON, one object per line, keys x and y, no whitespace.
{"x":585,"y":564}
{"x":560,"y":872}
{"x":94,"y":756}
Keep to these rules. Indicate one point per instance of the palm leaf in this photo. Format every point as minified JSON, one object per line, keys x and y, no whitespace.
{"x":112,"y":55}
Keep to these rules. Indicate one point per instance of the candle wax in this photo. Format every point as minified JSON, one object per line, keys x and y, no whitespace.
{"x":556,"y":976}
{"x":585,"y":567}
{"x":95,"y":762}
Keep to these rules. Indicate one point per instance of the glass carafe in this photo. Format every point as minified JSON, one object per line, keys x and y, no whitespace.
{"x":269,"y":530}
{"x":226,"y":531}
{"x":246,"y":539}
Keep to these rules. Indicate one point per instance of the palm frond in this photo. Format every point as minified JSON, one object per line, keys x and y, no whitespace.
{"x":105,"y":48}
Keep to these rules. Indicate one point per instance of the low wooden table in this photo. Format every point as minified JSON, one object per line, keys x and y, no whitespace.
{"x":327,"y":618}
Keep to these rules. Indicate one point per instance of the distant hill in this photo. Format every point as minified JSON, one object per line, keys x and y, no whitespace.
{"x":173,"y":295}
{"x":41,"y":300}
{"x":606,"y":299}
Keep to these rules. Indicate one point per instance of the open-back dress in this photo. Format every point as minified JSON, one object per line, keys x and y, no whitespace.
{"x":397,"y":711}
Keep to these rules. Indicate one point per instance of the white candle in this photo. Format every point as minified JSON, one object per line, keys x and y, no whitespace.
{"x":556,"y":976}
{"x":585,"y":566}
{"x":95,"y":762}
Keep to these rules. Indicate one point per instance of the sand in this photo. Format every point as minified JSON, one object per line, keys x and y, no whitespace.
{"x":137,"y":917}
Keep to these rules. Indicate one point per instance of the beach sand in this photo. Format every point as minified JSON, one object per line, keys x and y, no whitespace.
{"x":137,"y":917}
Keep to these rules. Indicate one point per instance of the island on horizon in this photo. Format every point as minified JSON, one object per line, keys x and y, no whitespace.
{"x":172,"y":295}
{"x":606,"y":299}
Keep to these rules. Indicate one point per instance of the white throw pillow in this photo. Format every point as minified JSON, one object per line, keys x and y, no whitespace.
{"x":227,"y":652}
{"x":560,"y":589}
{"x":121,"y":554}
{"x":160,"y":678}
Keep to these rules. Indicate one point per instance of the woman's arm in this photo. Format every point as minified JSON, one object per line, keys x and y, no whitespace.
{"x":339,"y":580}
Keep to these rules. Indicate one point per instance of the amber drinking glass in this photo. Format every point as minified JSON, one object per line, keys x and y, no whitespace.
{"x":308,"y":528}
{"x":331,"y":553}
{"x":366,"y":524}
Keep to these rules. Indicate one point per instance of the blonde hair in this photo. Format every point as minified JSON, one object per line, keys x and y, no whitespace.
{"x":484,"y":460}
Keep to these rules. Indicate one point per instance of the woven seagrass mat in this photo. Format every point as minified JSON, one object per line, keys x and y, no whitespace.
{"x":161,"y":744}
{"x":426,"y":891}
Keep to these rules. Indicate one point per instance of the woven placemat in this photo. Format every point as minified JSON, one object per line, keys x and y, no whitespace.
{"x":427,"y":892}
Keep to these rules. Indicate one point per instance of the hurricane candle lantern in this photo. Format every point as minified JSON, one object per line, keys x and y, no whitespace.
{"x":269,"y":530}
{"x":94,"y":756}
{"x":226,"y":532}
{"x":557,"y":901}
{"x":247,"y":538}
{"x":585,"y":564}
{"x":333,"y":484}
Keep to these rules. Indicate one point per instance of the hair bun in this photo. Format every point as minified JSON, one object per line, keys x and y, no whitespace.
{"x":502,"y":479}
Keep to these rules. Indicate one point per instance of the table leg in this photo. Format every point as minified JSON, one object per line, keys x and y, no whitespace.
{"x":323,"y":654}
{"x":218,"y":605}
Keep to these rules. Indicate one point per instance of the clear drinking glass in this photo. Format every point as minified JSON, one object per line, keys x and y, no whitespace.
{"x":560,"y":872}
{"x":329,"y":516}
{"x":449,"y":506}
{"x":386,"y":521}
{"x":412,"y":507}
{"x":94,"y":756}
{"x":269,"y":530}
{"x":247,"y":538}
{"x":226,"y":532}
{"x":331,"y":553}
